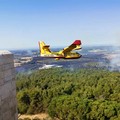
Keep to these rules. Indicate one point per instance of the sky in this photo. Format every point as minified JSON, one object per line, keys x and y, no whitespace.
{"x":58,"y":23}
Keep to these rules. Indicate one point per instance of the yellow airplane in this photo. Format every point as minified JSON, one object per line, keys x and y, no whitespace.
{"x":64,"y":54}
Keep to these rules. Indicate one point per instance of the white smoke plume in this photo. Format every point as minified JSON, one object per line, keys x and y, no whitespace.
{"x":115,"y":56}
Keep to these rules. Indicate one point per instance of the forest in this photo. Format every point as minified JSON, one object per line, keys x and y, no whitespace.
{"x":82,"y":94}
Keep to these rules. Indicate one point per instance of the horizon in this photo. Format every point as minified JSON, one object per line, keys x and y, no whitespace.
{"x":61,"y":47}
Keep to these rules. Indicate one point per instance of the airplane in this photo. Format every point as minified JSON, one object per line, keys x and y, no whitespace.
{"x":66,"y":53}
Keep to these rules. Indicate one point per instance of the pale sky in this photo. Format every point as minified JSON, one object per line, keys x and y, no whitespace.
{"x":58,"y":22}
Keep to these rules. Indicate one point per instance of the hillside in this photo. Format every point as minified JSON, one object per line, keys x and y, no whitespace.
{"x":83,"y":94}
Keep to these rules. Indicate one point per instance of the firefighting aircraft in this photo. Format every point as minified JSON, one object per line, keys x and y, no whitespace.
{"x":66,"y":53}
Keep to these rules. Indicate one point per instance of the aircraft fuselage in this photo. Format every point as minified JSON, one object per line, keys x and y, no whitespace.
{"x":70,"y":55}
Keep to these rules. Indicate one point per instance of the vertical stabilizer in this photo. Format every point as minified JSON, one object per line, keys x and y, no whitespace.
{"x":44,"y":49}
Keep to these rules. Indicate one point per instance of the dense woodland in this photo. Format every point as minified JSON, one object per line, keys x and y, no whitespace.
{"x":83,"y":94}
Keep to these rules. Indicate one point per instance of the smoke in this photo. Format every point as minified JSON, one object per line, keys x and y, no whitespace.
{"x":115,"y":63}
{"x":115,"y":56}
{"x":29,"y":72}
{"x":29,"y":52}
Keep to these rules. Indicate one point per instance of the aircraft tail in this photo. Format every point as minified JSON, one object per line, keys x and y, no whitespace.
{"x":44,"y":49}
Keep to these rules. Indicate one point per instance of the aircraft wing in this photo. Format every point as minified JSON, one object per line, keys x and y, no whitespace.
{"x":74,"y":46}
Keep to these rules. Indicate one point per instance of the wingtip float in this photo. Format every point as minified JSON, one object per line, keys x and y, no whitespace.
{"x":66,"y":53}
